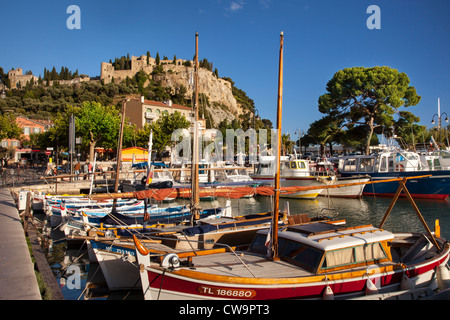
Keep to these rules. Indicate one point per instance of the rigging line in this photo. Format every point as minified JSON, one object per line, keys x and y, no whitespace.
{"x":160,"y":287}
{"x":86,"y":287}
{"x":132,"y":288}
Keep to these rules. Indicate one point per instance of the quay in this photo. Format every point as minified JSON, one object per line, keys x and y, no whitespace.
{"x":17,"y":277}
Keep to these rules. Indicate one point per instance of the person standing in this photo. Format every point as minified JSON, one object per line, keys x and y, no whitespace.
{"x":77,"y":169}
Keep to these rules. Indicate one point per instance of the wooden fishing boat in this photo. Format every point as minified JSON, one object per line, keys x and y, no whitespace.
{"x":114,"y":248}
{"x":317,"y":261}
{"x":313,"y":261}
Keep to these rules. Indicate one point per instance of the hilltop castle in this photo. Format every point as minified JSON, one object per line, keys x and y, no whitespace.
{"x":144,"y":63}
{"x":17,"y":79}
{"x":107,"y":72}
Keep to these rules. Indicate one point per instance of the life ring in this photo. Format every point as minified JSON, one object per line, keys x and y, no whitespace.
{"x":400,"y":167}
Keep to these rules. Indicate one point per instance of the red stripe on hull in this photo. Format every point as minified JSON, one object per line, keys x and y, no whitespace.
{"x":416,"y":196}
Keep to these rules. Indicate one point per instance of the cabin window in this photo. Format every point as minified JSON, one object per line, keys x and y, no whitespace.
{"x":383,"y":164}
{"x":369,"y":252}
{"x":360,"y":254}
{"x":366,"y":165}
{"x":293,"y":165}
{"x":300,"y":253}
{"x":259,"y":244}
{"x":301,"y":165}
{"x":350,"y":165}
{"x":339,"y":258}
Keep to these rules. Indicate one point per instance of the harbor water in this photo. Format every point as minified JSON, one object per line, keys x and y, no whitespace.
{"x":65,"y":258}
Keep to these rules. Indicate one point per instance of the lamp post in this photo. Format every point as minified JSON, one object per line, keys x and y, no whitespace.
{"x":439,"y":115}
{"x":255,"y":115}
{"x":299,"y":140}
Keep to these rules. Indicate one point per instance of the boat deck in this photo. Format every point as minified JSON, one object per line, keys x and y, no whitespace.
{"x":228,"y":264}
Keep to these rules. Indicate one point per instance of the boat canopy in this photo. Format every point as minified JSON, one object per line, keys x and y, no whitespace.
{"x":322,"y":247}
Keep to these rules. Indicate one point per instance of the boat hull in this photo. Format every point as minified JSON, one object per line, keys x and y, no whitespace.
{"x":354,"y":191}
{"x":118,"y":265}
{"x":306,"y":181}
{"x":437,"y":186}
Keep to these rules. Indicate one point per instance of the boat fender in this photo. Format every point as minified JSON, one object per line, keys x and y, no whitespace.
{"x":370,"y":288}
{"x":170,"y":261}
{"x":109,"y":234}
{"x":328,"y":293}
{"x":406,"y":283}
{"x":443,"y":277}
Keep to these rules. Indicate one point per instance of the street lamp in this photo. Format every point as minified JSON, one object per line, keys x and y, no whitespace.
{"x":299,"y":140}
{"x":439,"y":115}
{"x":255,"y":115}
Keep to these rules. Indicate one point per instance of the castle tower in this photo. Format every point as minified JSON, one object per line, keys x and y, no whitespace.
{"x":106,"y":72}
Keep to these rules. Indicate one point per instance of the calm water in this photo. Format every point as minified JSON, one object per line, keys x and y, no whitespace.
{"x":355,"y":211}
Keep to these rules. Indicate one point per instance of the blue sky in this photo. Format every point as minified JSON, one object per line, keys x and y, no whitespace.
{"x":241,"y":38}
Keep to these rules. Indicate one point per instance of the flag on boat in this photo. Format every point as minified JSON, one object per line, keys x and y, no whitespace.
{"x":433,"y":142}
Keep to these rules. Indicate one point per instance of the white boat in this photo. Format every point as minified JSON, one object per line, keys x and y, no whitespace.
{"x":346,"y":187}
{"x":294,"y":173}
{"x":397,"y":163}
{"x":232,"y":174}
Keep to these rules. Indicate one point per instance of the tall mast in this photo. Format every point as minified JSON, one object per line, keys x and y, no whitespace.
{"x":278,"y":155}
{"x":119,"y":145}
{"x":195,"y":197}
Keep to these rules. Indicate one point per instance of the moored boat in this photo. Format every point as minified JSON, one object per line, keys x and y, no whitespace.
{"x":294,"y":173}
{"x":317,"y":261}
{"x":398,"y":164}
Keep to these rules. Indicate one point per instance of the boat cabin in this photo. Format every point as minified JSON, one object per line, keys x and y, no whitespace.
{"x":324,"y":247}
{"x":437,"y":160}
{"x":232,"y":174}
{"x":291,"y":168}
{"x":383,"y":162}
{"x":296,"y":168}
{"x":140,"y":173}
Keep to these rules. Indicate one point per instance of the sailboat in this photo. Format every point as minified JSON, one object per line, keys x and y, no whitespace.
{"x":311,"y":261}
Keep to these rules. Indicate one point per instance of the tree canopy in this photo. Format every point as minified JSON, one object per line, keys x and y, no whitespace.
{"x":162,"y":130}
{"x":367,"y":97}
{"x":9,"y":129}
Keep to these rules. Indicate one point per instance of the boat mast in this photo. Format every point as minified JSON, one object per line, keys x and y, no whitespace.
{"x":195,"y":196}
{"x":278,"y":155}
{"x":119,"y":145}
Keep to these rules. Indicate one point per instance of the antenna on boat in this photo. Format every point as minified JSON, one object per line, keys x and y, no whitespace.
{"x":278,"y":154}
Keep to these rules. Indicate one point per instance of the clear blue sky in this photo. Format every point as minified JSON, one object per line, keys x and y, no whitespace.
{"x":241,"y":38}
